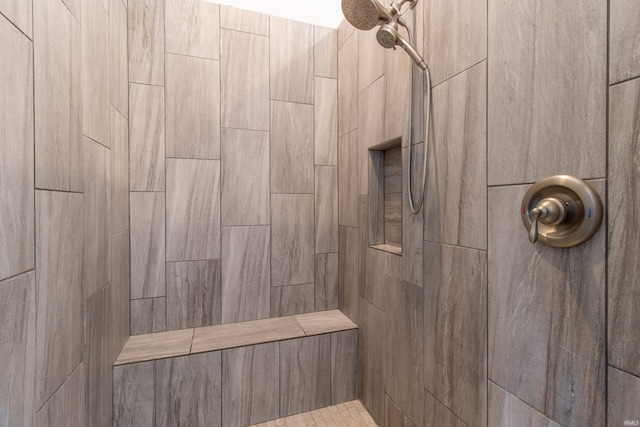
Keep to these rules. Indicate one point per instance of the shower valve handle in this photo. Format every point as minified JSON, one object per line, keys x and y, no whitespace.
{"x":550,"y":211}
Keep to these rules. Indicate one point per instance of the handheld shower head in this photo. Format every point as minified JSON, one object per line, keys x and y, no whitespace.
{"x":388,"y":37}
{"x":365,"y":14}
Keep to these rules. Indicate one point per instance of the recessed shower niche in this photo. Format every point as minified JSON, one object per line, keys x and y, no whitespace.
{"x":385,"y":196}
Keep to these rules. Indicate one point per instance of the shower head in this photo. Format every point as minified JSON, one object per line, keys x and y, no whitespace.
{"x":365,"y":14}
{"x":389,"y":38}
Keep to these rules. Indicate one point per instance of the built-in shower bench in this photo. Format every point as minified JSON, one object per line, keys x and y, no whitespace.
{"x":236,"y":374}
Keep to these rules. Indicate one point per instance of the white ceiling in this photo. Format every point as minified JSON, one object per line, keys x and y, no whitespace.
{"x":325,"y":13}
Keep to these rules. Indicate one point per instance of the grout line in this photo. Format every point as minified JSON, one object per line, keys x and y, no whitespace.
{"x":19,"y":29}
{"x":627,"y":80}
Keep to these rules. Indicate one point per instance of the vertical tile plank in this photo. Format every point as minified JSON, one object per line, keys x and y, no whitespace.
{"x":146,"y":41}
{"x":623,"y":397}
{"x":118,"y":61}
{"x":344,"y":366}
{"x":624,"y":40}
{"x":134,"y":395}
{"x":148,"y":315}
{"x":192,"y":28}
{"x":326,"y":121}
{"x":325,"y":52}
{"x":326,"y":205}
{"x":121,"y":290}
{"x":348,"y":85}
{"x":290,"y":300}
{"x":244,"y":20}
{"x":348,"y":180}
{"x":147,"y":245}
{"x":326,"y":284}
{"x":119,"y":172}
{"x":68,"y":406}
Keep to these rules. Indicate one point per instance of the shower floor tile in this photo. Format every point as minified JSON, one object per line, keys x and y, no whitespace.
{"x":344,"y":414}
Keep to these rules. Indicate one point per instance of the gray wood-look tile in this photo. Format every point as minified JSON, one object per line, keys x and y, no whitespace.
{"x":245,"y":178}
{"x":246,"y":273}
{"x":370,"y":127}
{"x":370,"y":60}
{"x":146,"y":41}
{"x":58,"y":83}
{"x":192,"y":107}
{"x":161,"y":345}
{"x":20,"y":14}
{"x":624,"y":233}
{"x":393,"y":416}
{"x":250,"y":384}
{"x":326,"y":283}
{"x":371,"y":360}
{"x":393,"y":219}
{"x":96,"y":270}
{"x":292,"y":255}
{"x":148,"y":315}
{"x":305,"y":374}
{"x":547,"y":83}
{"x":623,"y":397}
{"x":348,"y":180}
{"x":244,"y":62}
{"x":147,"y":245}
{"x":193,"y":294}
{"x":291,"y":60}
{"x":121,"y":276}
{"x":119,"y":172}
{"x":546,"y":316}
{"x":95,"y":71}
{"x":344,"y":31}
{"x":326,"y":121}
{"x":97,"y":359}
{"x":404,"y":347}
{"x":68,"y":406}
{"x":349,"y":270}
{"x":146,"y":138}
{"x":192,"y":28}
{"x":16,"y":157}
{"x":397,"y":74}
{"x":134,"y":395}
{"x":506,"y":410}
{"x":348,"y":85}
{"x":292,"y":148}
{"x":193,"y":210}
{"x":59,"y":334}
{"x":325,"y":52}
{"x":393,"y":170}
{"x":456,"y":197}
{"x":438,"y":415}
{"x":373,"y":278}
{"x":455,"y":329}
{"x":244,"y":20}
{"x":456,"y":36}
{"x":289,"y":300}
{"x":323,"y":322}
{"x":189,"y":390}
{"x":118,"y":60}
{"x":624,"y":40}
{"x":344,"y":366}
{"x":326,"y":206}
{"x":17,"y":333}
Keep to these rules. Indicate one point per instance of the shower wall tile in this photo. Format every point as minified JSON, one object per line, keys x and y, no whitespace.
{"x":549,"y":330}
{"x":192,"y":28}
{"x":326,"y":284}
{"x":455,"y":300}
{"x":193,"y":294}
{"x":95,"y":71}
{"x":59,"y":334}
{"x":623,"y":397}
{"x":246,"y":273}
{"x":18,"y":320}
{"x":370,"y":128}
{"x":134,"y":394}
{"x":20,"y":14}
{"x":290,"y":300}
{"x":97,"y":357}
{"x":146,"y":41}
{"x":624,"y":40}
{"x":397,"y":74}
{"x":344,"y":365}
{"x":546,"y":116}
{"x":244,"y":61}
{"x":245,"y":177}
{"x":456,"y":198}
{"x":148,"y":316}
{"x":404,"y":347}
{"x":371,"y":359}
{"x":189,"y":390}
{"x":507,"y":410}
{"x":370,"y":60}
{"x":244,"y":20}
{"x":291,"y":60}
{"x":325,"y":52}
{"x":119,"y":172}
{"x":456,"y":36}
{"x":292,"y":148}
{"x":624,"y":232}
{"x":250,"y":384}
{"x":348,"y":86}
{"x":348,"y":180}
{"x":373,"y":276}
{"x":96,"y":270}
{"x":146,"y":138}
{"x":193,"y":107}
{"x":326,"y":121}
{"x":193,"y":229}
{"x":147,"y":245}
{"x":305,"y":374}
{"x":326,"y":205}
{"x":438,"y":415}
{"x":121,"y":290}
{"x":118,"y":69}
{"x":292,"y":241}
{"x":349,"y":270}
{"x":344,"y":32}
{"x":16,"y":157}
{"x":393,"y":416}
{"x":68,"y":406}
{"x":58,"y":82}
